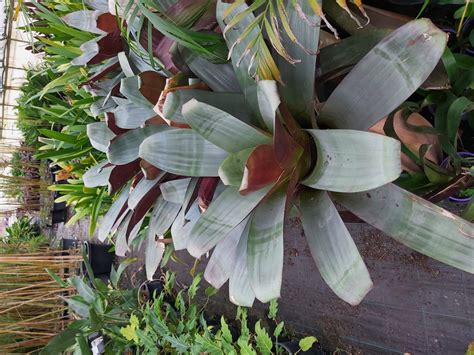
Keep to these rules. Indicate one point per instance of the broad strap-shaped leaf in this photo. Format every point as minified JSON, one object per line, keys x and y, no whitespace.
{"x":348,"y":52}
{"x":175,"y":191}
{"x":415,"y":222}
{"x":153,"y":255}
{"x":182,"y":152}
{"x":187,"y":217}
{"x":143,"y":187}
{"x":98,"y":175}
{"x":298,"y":79}
{"x":99,"y":135}
{"x":240,"y":291}
{"x":232,"y":103}
{"x":265,"y":246}
{"x":129,"y":115}
{"x":183,"y":225}
{"x":222,"y":262}
{"x":219,"y":77}
{"x":333,"y":248}
{"x":164,"y":213}
{"x":124,"y":149}
{"x":385,"y":77}
{"x":261,"y":169}
{"x":84,"y":20}
{"x":232,"y":168}
{"x":107,"y":222}
{"x":89,"y":50}
{"x":268,"y":101}
{"x":223,"y":215}
{"x":121,"y":174}
{"x":100,"y":5}
{"x":133,"y":231}
{"x":130,"y":88}
{"x":353,"y":161}
{"x":121,"y":245}
{"x":221,"y":128}
{"x":242,"y":63}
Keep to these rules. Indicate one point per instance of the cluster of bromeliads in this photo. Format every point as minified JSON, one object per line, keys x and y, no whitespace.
{"x":212,"y":138}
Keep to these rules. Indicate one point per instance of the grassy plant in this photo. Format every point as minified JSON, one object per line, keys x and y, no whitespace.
{"x":32,"y":310}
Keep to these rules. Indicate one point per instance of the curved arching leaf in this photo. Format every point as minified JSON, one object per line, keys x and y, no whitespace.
{"x":232,"y":168}
{"x":223,"y":215}
{"x":143,"y":187}
{"x":221,"y":128}
{"x":268,"y":101}
{"x":265,"y":247}
{"x":415,"y":222}
{"x":182,"y":152}
{"x":130,"y":116}
{"x":333,"y":248}
{"x":99,"y":135}
{"x":385,"y":77}
{"x":175,"y":191}
{"x":125,"y":148}
{"x":298,"y":79}
{"x":222,"y":262}
{"x":98,"y":175}
{"x":240,"y":291}
{"x":353,"y":161}
{"x":232,"y":103}
{"x":115,"y":211}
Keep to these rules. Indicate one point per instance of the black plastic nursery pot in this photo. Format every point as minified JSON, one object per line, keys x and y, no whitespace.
{"x":59,"y":213}
{"x":100,"y":258}
{"x":150,"y":289}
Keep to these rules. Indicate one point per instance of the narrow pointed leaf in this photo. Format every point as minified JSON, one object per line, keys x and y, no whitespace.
{"x":353,"y":161}
{"x":385,"y":77}
{"x":333,"y":248}
{"x":265,"y":247}
{"x":182,"y":152}
{"x":221,"y":128}
{"x":240,"y":291}
{"x":223,"y":215}
{"x":175,"y":191}
{"x":415,"y":222}
{"x":222,"y":262}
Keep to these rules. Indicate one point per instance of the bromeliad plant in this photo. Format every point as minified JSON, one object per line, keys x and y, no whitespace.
{"x":271,"y":152}
{"x":272,"y":155}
